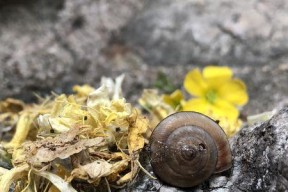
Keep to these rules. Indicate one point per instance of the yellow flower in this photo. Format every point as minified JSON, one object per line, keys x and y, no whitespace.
{"x":216,"y":93}
{"x":175,"y":99}
{"x":230,"y":126}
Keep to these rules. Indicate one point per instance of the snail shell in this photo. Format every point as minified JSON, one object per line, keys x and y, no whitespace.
{"x":187,"y":148}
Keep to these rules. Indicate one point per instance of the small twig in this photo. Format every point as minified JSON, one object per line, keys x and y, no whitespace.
{"x":29,"y":181}
{"x":145,"y":171}
{"x":107,"y":183}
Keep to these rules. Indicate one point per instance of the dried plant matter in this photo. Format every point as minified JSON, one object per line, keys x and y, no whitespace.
{"x":91,"y":135}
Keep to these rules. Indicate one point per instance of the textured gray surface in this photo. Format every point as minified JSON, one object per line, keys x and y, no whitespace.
{"x":51,"y":45}
{"x":205,"y":31}
{"x":259,"y":164}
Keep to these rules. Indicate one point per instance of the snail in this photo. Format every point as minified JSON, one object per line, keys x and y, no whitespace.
{"x":187,"y":148}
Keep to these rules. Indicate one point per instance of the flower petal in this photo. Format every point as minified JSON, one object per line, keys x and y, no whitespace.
{"x":194,"y":83}
{"x":234,"y":91}
{"x":229,"y":126}
{"x":225,"y":109}
{"x":220,"y":108}
{"x":198,"y":104}
{"x":174,"y":99}
{"x":215,"y":72}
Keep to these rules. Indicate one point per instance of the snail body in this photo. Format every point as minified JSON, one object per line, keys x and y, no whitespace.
{"x":187,"y":148}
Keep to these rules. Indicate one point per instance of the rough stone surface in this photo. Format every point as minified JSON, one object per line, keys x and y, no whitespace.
{"x":51,"y":45}
{"x":207,"y":31}
{"x":259,"y":162}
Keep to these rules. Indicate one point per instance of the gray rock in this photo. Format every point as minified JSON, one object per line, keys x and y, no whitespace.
{"x":259,"y":162}
{"x":205,"y":31}
{"x":50,"y":45}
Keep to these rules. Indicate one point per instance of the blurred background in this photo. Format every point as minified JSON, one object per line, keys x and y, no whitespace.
{"x":50,"y":45}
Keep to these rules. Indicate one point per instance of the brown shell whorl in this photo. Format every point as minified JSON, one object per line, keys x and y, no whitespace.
{"x":187,"y":147}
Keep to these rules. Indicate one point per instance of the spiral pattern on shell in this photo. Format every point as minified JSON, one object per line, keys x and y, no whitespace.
{"x":187,"y":148}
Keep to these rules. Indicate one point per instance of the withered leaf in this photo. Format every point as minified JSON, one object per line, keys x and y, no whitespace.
{"x":92,"y":171}
{"x":97,"y":169}
{"x":62,"y":146}
{"x":57,"y":181}
{"x":12,"y":175}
